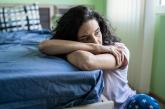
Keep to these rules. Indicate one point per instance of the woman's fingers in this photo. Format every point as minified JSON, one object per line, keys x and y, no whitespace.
{"x":115,"y":50}
{"x":100,"y":49}
{"x":118,"y":54}
{"x":121,"y":53}
{"x":119,"y":58}
{"x":119,"y":44}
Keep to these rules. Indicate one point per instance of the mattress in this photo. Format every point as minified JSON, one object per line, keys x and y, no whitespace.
{"x":32,"y":80}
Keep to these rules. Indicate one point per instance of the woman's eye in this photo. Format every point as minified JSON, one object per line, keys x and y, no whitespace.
{"x":97,"y":33}
{"x":84,"y":39}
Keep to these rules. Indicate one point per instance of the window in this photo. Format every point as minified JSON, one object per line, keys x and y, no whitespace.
{"x":160,"y":8}
{"x":162,"y":2}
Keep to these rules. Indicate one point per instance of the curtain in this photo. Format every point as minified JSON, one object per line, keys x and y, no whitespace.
{"x":133,"y":22}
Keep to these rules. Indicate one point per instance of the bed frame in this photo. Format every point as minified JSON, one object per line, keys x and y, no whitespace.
{"x":46,"y":14}
{"x":104,"y":104}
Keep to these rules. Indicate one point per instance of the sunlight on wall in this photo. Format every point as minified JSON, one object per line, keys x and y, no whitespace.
{"x":162,"y":2}
{"x":126,"y":18}
{"x":133,"y":21}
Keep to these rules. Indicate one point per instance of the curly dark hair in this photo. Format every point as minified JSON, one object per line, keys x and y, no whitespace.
{"x":68,"y":25}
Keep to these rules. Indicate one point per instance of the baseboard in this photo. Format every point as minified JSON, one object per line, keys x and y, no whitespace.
{"x":157,"y":98}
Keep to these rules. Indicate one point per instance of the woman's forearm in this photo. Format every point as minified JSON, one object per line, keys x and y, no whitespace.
{"x":107,"y":61}
{"x":55,"y":47}
{"x":87,"y":61}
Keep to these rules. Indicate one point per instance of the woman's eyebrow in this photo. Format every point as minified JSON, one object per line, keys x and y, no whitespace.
{"x":97,"y":29}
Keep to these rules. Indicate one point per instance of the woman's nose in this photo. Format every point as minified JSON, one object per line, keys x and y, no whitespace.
{"x":94,"y":39}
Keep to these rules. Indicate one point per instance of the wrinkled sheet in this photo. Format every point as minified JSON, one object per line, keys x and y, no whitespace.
{"x":32,"y":80}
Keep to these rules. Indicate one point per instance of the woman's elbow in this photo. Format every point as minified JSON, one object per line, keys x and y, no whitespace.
{"x":81,"y":59}
{"x":88,"y":65}
{"x":43,"y":46}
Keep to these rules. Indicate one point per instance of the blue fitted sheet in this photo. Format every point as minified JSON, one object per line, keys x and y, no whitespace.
{"x":32,"y":80}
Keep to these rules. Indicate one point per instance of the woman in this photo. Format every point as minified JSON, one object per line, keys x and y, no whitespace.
{"x":84,"y":38}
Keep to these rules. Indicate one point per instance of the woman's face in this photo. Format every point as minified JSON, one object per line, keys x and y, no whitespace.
{"x":89,"y":32}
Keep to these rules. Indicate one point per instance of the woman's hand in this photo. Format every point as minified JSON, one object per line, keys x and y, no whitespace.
{"x":125,"y":52}
{"x":117,"y":50}
{"x":118,"y":54}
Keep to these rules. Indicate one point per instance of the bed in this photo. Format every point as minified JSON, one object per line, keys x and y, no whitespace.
{"x":30,"y":79}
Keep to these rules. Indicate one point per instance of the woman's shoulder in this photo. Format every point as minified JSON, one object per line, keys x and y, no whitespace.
{"x":123,"y":46}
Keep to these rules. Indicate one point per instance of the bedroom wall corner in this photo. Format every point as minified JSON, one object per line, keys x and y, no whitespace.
{"x":158,"y":69}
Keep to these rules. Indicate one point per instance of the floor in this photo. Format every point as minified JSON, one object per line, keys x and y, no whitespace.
{"x":161,"y":102}
{"x":162,"y":106}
